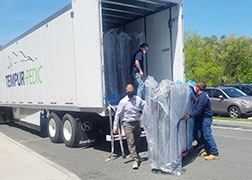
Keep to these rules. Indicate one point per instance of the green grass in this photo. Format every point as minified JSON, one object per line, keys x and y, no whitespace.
{"x":232,"y":119}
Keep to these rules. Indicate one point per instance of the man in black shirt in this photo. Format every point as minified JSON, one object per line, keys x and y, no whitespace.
{"x":137,"y":69}
{"x":202,"y":115}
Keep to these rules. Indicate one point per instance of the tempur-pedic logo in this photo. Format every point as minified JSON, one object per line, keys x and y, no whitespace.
{"x":28,"y":77}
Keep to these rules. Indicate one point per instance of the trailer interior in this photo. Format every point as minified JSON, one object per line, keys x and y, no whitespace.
{"x":128,"y":23}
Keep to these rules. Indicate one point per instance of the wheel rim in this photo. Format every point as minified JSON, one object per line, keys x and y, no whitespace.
{"x":52,"y":127}
{"x":234,"y":113}
{"x":67,"y":130}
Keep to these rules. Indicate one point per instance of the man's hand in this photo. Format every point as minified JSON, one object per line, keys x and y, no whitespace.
{"x":187,"y":117}
{"x":141,"y":73}
{"x":191,"y":85}
{"x":115,"y":131}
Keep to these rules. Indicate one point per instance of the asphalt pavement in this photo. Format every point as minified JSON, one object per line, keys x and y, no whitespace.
{"x":24,"y":154}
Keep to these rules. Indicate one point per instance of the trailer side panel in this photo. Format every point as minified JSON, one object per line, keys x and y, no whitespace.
{"x":38,"y":69}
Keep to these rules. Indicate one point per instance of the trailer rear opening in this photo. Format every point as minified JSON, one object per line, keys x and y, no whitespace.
{"x":127,"y":24}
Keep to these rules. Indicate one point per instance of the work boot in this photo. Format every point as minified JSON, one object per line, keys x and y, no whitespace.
{"x":212,"y":157}
{"x":135,"y":164}
{"x":204,"y":154}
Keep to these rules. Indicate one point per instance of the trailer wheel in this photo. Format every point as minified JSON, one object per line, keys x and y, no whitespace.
{"x":54,"y":129}
{"x":70,"y":136}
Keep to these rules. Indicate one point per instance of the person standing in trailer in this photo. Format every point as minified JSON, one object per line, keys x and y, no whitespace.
{"x":137,"y":69}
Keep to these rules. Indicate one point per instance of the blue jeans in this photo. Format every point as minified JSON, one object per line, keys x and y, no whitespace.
{"x":208,"y":139}
{"x":197,"y":131}
{"x":139,"y":85}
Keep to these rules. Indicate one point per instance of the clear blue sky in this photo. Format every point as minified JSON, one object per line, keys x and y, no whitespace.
{"x":207,"y":17}
{"x":218,"y":17}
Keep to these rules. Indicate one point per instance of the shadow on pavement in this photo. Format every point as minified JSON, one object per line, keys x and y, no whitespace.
{"x":99,"y":144}
{"x":103,"y":145}
{"x":26,"y":129}
{"x":191,"y":156}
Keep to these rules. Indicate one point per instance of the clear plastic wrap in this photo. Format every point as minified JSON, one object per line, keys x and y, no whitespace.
{"x":167,"y":134}
{"x":191,"y":127}
{"x":124,"y":61}
{"x":118,"y":52}
{"x":110,"y":66}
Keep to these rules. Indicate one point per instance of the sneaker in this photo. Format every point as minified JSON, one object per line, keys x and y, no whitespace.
{"x":204,"y":154}
{"x":135,"y":165}
{"x":212,"y":157}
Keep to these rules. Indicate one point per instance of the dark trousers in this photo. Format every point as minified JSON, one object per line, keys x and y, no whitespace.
{"x":197,"y":131}
{"x":133,"y":132}
{"x":203,"y":135}
{"x":208,"y":139}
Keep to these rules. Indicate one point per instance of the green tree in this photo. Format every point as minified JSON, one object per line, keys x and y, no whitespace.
{"x":218,"y":61}
{"x":236,"y":56}
{"x":201,"y":59}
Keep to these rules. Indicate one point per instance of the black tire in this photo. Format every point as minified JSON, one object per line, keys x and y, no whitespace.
{"x":54,"y":128}
{"x":70,"y":131}
{"x":234,"y":112}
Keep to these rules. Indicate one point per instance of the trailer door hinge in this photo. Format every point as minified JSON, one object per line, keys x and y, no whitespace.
{"x":72,"y":14}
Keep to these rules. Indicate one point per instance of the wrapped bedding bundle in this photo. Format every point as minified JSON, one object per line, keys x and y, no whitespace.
{"x":167,"y":134}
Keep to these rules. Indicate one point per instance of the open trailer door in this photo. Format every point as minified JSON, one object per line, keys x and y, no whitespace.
{"x":87,"y":42}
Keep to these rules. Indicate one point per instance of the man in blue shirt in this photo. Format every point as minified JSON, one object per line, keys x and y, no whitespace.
{"x":129,"y":112}
{"x":137,"y":68}
{"x":202,"y":115}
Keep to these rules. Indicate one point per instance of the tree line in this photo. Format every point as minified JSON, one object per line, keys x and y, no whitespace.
{"x":218,"y":61}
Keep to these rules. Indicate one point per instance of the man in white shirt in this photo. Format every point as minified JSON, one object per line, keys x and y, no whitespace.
{"x":129,"y":112}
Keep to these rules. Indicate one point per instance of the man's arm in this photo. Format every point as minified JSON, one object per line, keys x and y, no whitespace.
{"x":138,"y":59}
{"x":137,"y":62}
{"x":190,"y":85}
{"x":199,"y":108}
{"x":119,"y":112}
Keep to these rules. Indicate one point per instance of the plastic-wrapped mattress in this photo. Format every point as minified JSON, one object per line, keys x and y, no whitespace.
{"x":119,"y":48}
{"x":167,"y":134}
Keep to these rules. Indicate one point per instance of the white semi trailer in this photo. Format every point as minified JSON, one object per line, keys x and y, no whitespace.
{"x":54,"y":72}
